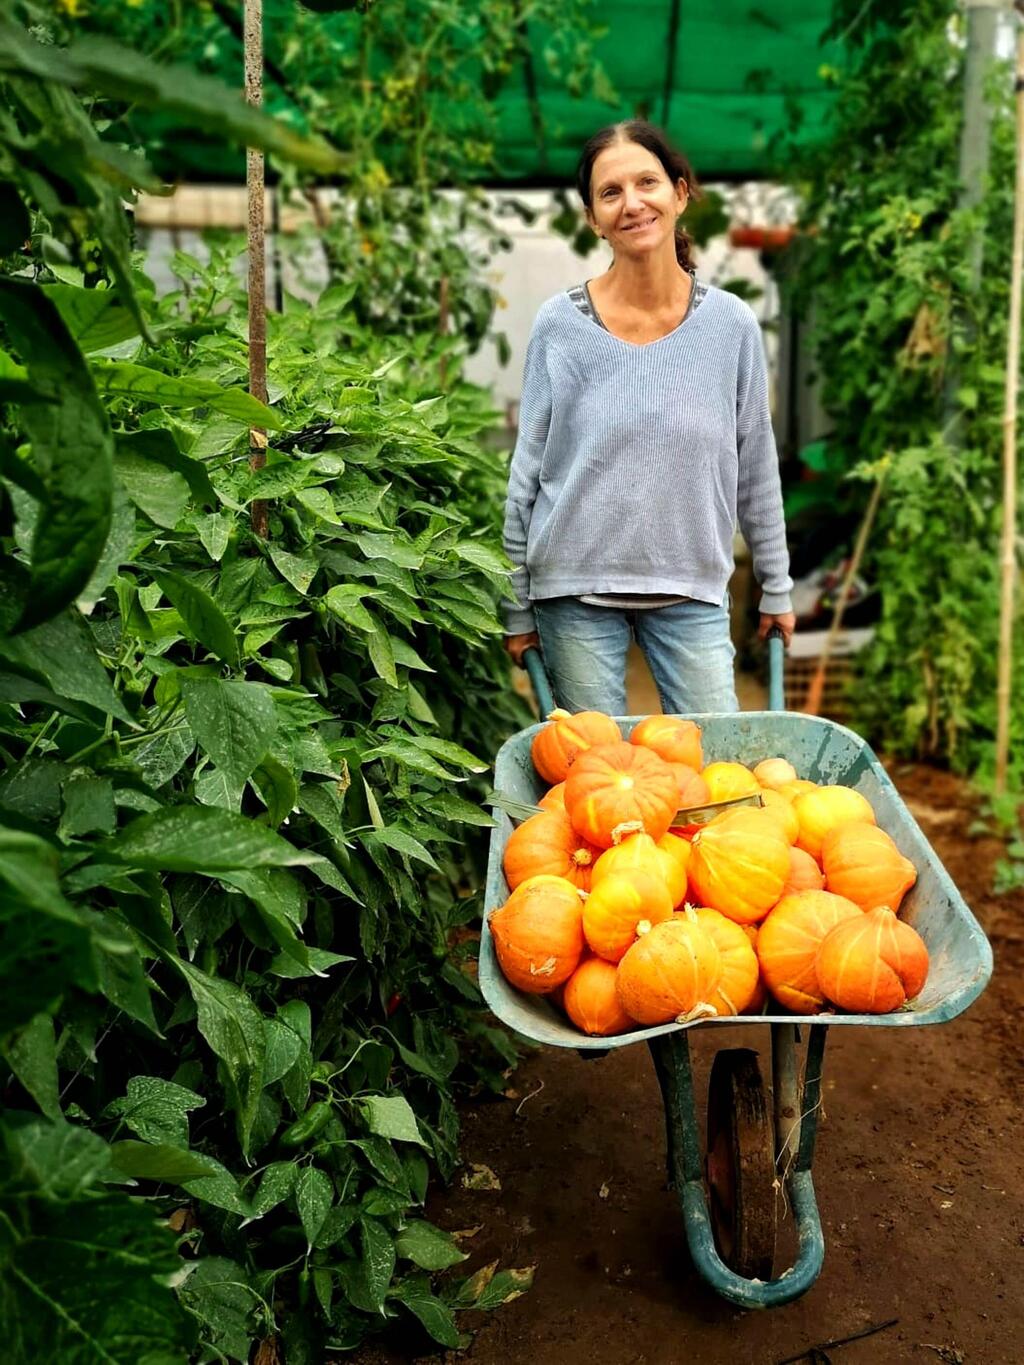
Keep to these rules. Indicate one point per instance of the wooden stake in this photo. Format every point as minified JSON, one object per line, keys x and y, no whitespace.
{"x":257,"y":283}
{"x":1008,"y":556}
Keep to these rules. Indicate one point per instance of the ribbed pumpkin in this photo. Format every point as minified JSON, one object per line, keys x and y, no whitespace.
{"x":788,"y":942}
{"x":555,"y":748}
{"x":738,"y":864}
{"x":774,"y":773}
{"x":538,"y":934}
{"x":617,"y":789}
{"x":872,"y":965}
{"x":777,"y":808}
{"x":804,"y":874}
{"x":547,"y":844}
{"x":671,"y":968}
{"x":679,"y":851}
{"x":738,"y":982}
{"x":590,"y":1000}
{"x":760,"y":996}
{"x":825,"y":809}
{"x":640,"y":852}
{"x":693,"y":790}
{"x":791,"y":790}
{"x":863,"y":864}
{"x":554,"y":798}
{"x":672,"y":738}
{"x":617,"y":904}
{"x":726,"y":781}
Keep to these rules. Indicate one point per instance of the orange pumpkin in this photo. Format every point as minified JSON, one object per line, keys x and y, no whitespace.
{"x":617,"y":905}
{"x":679,"y":851}
{"x":555,"y":748}
{"x":760,"y":997}
{"x":788,"y":942}
{"x":738,"y":864}
{"x":671,"y":969}
{"x":774,"y":773}
{"x":873,"y":964}
{"x":617,"y":789}
{"x":777,"y":808}
{"x":553,"y":799}
{"x":672,"y":738}
{"x":640,"y":852}
{"x":726,"y":781}
{"x":737,"y":986}
{"x":804,"y":874}
{"x":590,"y":1000}
{"x":863,"y":864}
{"x":825,"y":809}
{"x":547,"y":844}
{"x":791,"y":790}
{"x":538,"y":934}
{"x":693,"y":790}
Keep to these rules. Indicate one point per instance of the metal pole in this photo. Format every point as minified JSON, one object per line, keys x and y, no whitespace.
{"x":257,"y":283}
{"x":1008,"y":555}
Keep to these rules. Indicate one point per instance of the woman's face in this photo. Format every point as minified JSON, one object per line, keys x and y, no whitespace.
{"x":633,"y":203}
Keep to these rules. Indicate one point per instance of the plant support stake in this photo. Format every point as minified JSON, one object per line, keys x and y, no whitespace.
{"x":1008,"y":556}
{"x":257,"y":253}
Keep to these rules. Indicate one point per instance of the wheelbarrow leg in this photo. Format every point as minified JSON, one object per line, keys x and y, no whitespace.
{"x":672,"y":1063}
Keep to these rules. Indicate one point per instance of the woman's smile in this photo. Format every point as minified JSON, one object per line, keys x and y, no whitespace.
{"x":639,"y":226}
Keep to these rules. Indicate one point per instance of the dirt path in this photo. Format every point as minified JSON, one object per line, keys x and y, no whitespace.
{"x":918,"y":1173}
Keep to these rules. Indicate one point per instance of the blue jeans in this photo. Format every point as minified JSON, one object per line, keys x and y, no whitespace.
{"x":687,"y":647}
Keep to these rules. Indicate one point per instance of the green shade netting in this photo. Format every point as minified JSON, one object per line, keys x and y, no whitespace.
{"x":716,"y":73}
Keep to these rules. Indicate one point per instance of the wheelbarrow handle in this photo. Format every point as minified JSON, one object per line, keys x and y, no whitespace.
{"x":776,"y":669}
{"x":533,"y":662}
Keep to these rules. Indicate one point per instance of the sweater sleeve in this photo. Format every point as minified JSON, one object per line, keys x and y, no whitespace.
{"x":523,"y":482}
{"x":759,"y":492}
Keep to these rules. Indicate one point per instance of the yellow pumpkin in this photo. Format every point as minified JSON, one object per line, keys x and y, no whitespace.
{"x":738,"y":864}
{"x":791,"y":790}
{"x":725,"y":781}
{"x":825,"y":809}
{"x":617,"y":905}
{"x":777,"y":808}
{"x":774,"y":773}
{"x":640,"y":852}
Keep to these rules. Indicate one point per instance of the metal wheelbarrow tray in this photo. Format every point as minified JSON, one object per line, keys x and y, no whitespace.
{"x":732,"y":1242}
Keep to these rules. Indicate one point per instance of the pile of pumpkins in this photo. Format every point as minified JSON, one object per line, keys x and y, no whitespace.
{"x":625,"y":917}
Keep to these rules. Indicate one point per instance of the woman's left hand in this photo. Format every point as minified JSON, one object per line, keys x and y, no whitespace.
{"x":786,"y":623}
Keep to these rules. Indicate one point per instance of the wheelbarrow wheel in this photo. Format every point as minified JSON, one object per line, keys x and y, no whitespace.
{"x":740,"y":1165}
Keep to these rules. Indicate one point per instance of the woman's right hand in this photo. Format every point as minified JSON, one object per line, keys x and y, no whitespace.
{"x":517,"y":645}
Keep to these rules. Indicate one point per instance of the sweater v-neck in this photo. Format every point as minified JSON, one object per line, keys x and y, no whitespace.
{"x":690,"y":317}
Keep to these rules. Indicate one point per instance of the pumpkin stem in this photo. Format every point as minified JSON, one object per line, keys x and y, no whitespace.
{"x":559,"y":714}
{"x":582,"y":857}
{"x":644,"y":926}
{"x":702,"y":1010}
{"x":627,"y":827}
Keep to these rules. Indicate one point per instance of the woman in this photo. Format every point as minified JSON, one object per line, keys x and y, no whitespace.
{"x":644,"y":438}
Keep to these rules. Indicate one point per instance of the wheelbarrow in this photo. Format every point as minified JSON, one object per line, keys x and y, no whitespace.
{"x":753,"y":1148}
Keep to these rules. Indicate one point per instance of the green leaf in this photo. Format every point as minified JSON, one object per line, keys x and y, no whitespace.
{"x":448,"y":806}
{"x":486,"y":1290}
{"x":234,"y":722}
{"x":157,"y":1110}
{"x":345,"y":601}
{"x":320,"y":960}
{"x":202,"y":617}
{"x":276,"y":1185}
{"x":407,"y":656}
{"x":92,"y":316}
{"x":201,"y":839}
{"x":85,"y":1276}
{"x":390,"y":1116}
{"x":314,"y":1195}
{"x":483,"y":556}
{"x":61,"y":654}
{"x":119,"y":379}
{"x":214,"y":531}
{"x":158,"y":447}
{"x":73,"y":451}
{"x":218,"y":1294}
{"x":299,"y":570}
{"x":160,"y":493}
{"x":219,"y":1189}
{"x":32,"y":1056}
{"x":158,"y":1161}
{"x":435,"y":1316}
{"x":283,"y":1049}
{"x":402,"y":842}
{"x":277,"y":786}
{"x":381,"y":654}
{"x":233,"y":1027}
{"x":378,"y":1260}
{"x":88,"y":806}
{"x":428,"y":1246}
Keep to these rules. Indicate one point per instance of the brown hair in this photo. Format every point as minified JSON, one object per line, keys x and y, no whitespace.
{"x":654,"y":140}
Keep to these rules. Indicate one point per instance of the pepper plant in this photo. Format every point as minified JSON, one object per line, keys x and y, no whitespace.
{"x":239,"y":778}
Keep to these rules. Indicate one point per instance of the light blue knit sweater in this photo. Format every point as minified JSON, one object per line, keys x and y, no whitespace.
{"x":634,"y":464}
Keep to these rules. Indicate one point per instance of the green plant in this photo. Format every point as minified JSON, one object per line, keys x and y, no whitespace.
{"x":239,"y":826}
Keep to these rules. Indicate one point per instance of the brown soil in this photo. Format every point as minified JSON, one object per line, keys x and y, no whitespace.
{"x":918,"y":1173}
